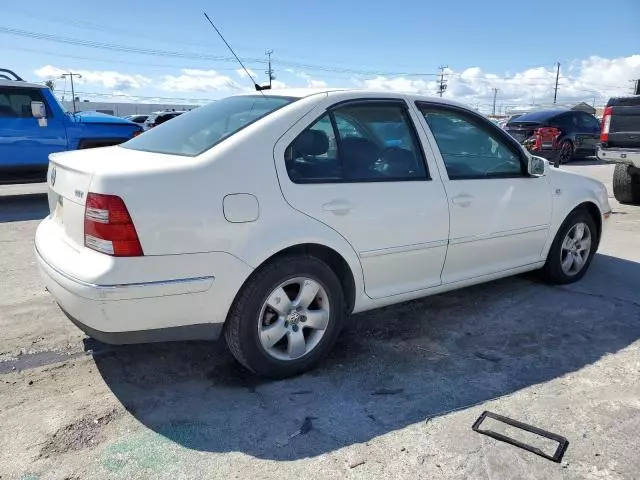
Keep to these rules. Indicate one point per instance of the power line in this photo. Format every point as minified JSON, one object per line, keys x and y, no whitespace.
{"x":190,"y":55}
{"x":124,"y":95}
{"x":82,"y":24}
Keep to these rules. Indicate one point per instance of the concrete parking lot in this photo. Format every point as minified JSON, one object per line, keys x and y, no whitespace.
{"x":396,"y":399}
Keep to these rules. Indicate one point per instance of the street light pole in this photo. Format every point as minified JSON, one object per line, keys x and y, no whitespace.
{"x":73,"y":93}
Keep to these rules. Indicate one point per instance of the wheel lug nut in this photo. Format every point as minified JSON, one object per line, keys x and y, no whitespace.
{"x":303,"y":318}
{"x":294,"y":327}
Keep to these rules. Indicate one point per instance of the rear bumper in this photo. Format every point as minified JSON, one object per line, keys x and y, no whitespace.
{"x":628,"y":156}
{"x":146,"y":299}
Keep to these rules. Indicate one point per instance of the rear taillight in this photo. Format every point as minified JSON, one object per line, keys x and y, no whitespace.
{"x":606,"y":123}
{"x":136,"y":133}
{"x":545,"y":137}
{"x":108,"y":227}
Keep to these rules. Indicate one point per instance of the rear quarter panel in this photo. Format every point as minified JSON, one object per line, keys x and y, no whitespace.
{"x":176,"y":202}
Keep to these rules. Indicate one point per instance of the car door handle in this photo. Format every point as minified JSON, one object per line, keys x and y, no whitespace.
{"x":337,"y":206}
{"x":462,"y":200}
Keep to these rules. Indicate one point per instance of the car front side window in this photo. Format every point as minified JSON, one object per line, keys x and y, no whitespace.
{"x":16,"y":102}
{"x":366,"y":141}
{"x":470,"y":146}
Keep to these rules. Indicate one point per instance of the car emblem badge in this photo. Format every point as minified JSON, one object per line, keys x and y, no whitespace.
{"x":53,"y":176}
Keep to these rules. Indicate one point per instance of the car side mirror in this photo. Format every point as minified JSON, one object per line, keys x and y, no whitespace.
{"x":536,"y":166}
{"x":38,"y":110}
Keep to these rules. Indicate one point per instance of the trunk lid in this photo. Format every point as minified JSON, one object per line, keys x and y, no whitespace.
{"x":68,"y":186}
{"x":624,"y":129}
{"x":522,"y":130}
{"x":71,"y":176}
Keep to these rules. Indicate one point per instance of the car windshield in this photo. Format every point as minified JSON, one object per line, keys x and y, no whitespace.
{"x":196,"y":131}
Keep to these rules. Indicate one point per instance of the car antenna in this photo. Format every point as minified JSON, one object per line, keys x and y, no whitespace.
{"x":255,"y":85}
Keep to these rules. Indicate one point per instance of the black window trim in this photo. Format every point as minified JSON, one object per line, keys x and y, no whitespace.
{"x":507,"y":139}
{"x":358,"y":101}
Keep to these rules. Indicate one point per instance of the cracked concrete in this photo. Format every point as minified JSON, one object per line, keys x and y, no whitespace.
{"x":396,"y":399}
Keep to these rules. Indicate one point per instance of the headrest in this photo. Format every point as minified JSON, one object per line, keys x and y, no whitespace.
{"x":312,"y":143}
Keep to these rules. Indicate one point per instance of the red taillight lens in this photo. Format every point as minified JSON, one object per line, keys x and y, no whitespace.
{"x":136,"y":133}
{"x":606,"y":124}
{"x":545,"y":136}
{"x":108,"y":227}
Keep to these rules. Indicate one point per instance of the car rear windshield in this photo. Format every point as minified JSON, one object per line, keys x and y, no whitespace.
{"x":196,"y":131}
{"x":540,"y":116}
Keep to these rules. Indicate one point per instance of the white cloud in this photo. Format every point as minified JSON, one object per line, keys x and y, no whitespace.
{"x":579,"y":81}
{"x":397,"y":84}
{"x":193,"y":80}
{"x":311,"y":82}
{"x":242,"y":74}
{"x":278,"y":84}
{"x":106,"y":78}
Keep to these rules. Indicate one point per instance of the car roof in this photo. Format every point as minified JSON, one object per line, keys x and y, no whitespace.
{"x":19,"y":84}
{"x":307,"y":92}
{"x":541,"y":114}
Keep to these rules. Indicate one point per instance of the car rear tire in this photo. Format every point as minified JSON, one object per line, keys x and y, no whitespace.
{"x":287,"y":317}
{"x":566,"y":151}
{"x":626,"y":186}
{"x":572,"y":249}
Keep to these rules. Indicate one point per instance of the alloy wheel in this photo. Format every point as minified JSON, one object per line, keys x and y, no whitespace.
{"x":294,"y":318}
{"x":576,"y":248}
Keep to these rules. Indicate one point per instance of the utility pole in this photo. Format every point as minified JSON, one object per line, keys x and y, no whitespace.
{"x":555,"y":93}
{"x":270,"y":72}
{"x":495,"y":94}
{"x":73,"y":92}
{"x":443,"y":83}
{"x":636,"y":88}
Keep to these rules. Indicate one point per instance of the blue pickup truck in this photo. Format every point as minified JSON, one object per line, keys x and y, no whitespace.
{"x":33,"y":124}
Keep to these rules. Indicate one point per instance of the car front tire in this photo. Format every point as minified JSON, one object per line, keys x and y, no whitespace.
{"x":287,"y":316}
{"x":572,"y":249}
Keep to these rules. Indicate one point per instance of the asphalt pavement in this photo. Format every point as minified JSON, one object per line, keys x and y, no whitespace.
{"x":396,"y":399}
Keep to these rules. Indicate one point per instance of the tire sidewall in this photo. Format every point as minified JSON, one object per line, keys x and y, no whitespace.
{"x":285,"y":269}
{"x":553,"y":265}
{"x":573,"y":152}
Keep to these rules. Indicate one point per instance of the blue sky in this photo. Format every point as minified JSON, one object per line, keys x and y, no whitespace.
{"x":508,"y":45}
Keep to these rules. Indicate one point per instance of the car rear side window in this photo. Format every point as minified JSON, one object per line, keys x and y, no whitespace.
{"x":358,"y":142}
{"x":194,"y":132}
{"x":471,"y":147}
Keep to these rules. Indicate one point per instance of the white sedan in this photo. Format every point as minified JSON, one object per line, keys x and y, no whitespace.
{"x":271,"y":217}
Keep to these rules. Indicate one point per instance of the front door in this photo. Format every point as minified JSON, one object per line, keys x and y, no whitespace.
{"x":500,"y":216}
{"x":23,"y":141}
{"x":360,"y":169}
{"x":589,"y":132}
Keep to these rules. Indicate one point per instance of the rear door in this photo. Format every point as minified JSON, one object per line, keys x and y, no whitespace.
{"x":624,"y":130}
{"x":24,"y":142}
{"x":360,"y":169}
